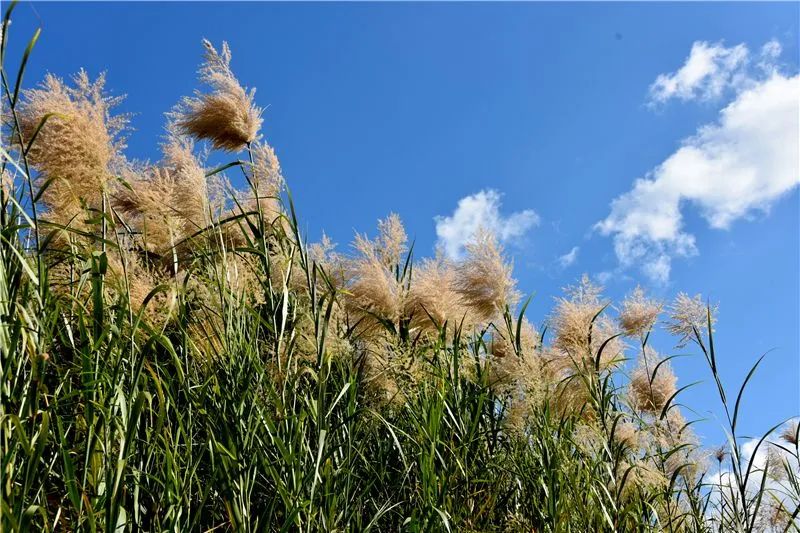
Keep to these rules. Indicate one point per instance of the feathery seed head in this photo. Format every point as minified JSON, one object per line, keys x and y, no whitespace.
{"x":333,"y":263}
{"x":392,"y":374}
{"x":519,"y":377}
{"x":790,"y":432}
{"x":647,"y":393}
{"x":392,"y":239}
{"x":775,"y":464}
{"x":688,"y":315}
{"x":574,"y":318}
{"x":78,"y":148}
{"x":262,"y":194}
{"x":170,"y":202}
{"x":778,"y":517}
{"x":503,"y":344}
{"x":483,"y":280}
{"x":266,"y":182}
{"x":588,"y":437}
{"x":639,"y":313}
{"x":191,"y":194}
{"x":148,"y":202}
{"x":321,"y":252}
{"x":6,"y":182}
{"x":227,"y":116}
{"x":673,"y":440}
{"x":719,"y":453}
{"x":375,"y":289}
{"x":673,"y":431}
{"x":626,"y":433}
{"x":128,"y":275}
{"x":647,"y":476}
{"x":432,"y":298}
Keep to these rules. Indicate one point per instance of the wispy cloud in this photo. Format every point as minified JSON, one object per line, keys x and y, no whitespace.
{"x":604,"y":277}
{"x":569,"y":258}
{"x":729,"y":169}
{"x":481,"y":211}
{"x":707,"y":72}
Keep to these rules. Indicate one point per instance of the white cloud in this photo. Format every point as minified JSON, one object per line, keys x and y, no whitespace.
{"x":481,"y":210}
{"x":569,"y":258}
{"x":707,"y":72}
{"x":740,"y":164}
{"x":604,"y":277}
{"x":769,"y":56}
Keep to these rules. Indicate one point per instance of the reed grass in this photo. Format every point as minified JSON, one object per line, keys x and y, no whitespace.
{"x":176,"y":357}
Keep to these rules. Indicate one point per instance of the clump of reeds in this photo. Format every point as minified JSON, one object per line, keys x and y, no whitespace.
{"x":167,"y":203}
{"x":186,"y":362}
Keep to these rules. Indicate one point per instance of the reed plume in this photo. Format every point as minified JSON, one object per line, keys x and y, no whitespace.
{"x":265,"y":183}
{"x":483,"y":279}
{"x":639,"y":313}
{"x":790,"y":432}
{"x":627,"y":434}
{"x":227,"y":116}
{"x":392,"y":241}
{"x":391,"y":373}
{"x":169,"y":202}
{"x":580,"y":329}
{"x":432,"y":298}
{"x":504,"y":344}
{"x":689,"y":316}
{"x":191,"y":194}
{"x":78,"y":149}
{"x":516,"y":371}
{"x":335,"y":266}
{"x":652,"y":383}
{"x":375,"y":290}
{"x":719,"y":453}
{"x":129,"y":275}
{"x":6,"y":182}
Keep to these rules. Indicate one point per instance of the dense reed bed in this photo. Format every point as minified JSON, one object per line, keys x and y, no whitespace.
{"x":176,"y":357}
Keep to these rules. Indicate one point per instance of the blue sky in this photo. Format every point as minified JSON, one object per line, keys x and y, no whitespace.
{"x":409,"y":108}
